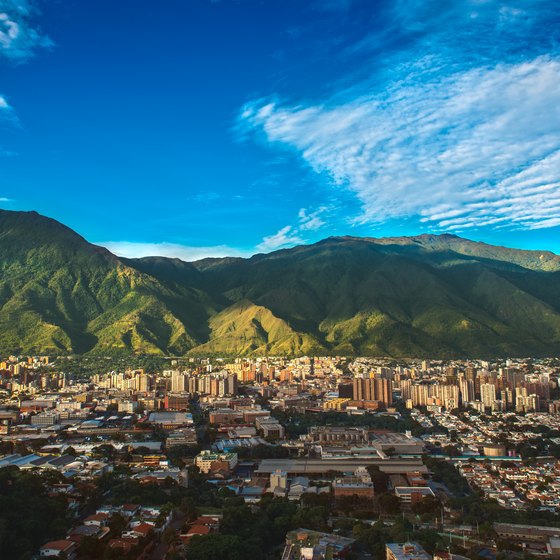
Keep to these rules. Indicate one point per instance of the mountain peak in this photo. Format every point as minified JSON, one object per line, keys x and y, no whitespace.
{"x":437,"y":295}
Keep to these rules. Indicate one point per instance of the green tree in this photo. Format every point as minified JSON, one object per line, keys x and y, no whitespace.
{"x":389,"y":504}
{"x":428,"y":505}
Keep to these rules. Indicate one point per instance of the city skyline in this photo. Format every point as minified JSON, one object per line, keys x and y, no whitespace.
{"x":235,"y":127}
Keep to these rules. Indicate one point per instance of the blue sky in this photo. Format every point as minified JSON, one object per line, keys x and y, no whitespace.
{"x":200,"y":127}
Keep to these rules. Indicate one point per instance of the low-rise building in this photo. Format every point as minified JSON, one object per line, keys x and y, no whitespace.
{"x":63,"y":547}
{"x":171,"y":420}
{"x":307,"y":544}
{"x":270,"y":427}
{"x":410,"y":495}
{"x":207,"y":461}
{"x":182,"y":436}
{"x":406,"y":551}
{"x":359,"y":485}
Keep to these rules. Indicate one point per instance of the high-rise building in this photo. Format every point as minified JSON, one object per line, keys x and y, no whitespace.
{"x":232,"y":384}
{"x":471,"y":373}
{"x":488,"y":394}
{"x":448,"y":395}
{"x":451,"y":372}
{"x":143,"y":383}
{"x":178,"y":382}
{"x":467,"y":390}
{"x":421,"y":393}
{"x":373,"y":389}
{"x":406,"y":389}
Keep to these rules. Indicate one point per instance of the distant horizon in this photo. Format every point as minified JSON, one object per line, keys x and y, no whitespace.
{"x":109,"y":244}
{"x":113,"y":247}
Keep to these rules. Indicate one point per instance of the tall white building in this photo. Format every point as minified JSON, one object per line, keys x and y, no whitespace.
{"x":487,"y":394}
{"x":178,"y":382}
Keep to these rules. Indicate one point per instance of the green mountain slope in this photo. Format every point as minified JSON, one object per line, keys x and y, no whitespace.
{"x":246,"y":328}
{"x":422,"y":296}
{"x":419,"y":296}
{"x":59,"y":293}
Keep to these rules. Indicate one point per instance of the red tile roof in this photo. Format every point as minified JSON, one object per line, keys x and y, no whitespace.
{"x":62,"y":544}
{"x":199,"y":530}
{"x":143,"y":528}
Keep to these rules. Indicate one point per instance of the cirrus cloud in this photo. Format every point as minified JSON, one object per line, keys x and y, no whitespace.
{"x":453,"y":120}
{"x":286,"y":236}
{"x":19,"y":36}
{"x":479,"y":147}
{"x":308,"y":221}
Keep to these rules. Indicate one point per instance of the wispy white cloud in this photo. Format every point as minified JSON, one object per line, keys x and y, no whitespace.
{"x":439,"y":149}
{"x":312,"y":220}
{"x":455,"y":137}
{"x":5,"y":108}
{"x":20,"y":38}
{"x":206,"y":196}
{"x":285,"y":237}
{"x":470,"y":31}
{"x":131,"y":250}
{"x":9,"y":117}
{"x":290,"y":235}
{"x":8,"y":114}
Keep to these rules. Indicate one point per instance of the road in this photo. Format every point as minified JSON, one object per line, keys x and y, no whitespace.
{"x":160,"y":551}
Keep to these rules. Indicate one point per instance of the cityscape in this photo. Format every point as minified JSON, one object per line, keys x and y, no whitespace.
{"x":341,"y":457}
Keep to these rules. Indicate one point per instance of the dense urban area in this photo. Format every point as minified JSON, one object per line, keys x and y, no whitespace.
{"x":275,"y":458}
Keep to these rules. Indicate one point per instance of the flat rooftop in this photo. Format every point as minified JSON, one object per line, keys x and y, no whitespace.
{"x":321,"y":466}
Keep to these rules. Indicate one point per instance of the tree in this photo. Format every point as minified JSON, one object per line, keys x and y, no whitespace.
{"x":90,"y":548}
{"x":6,"y":447}
{"x":222,"y":547}
{"x":29,"y":516}
{"x":486,"y":531}
{"x":188,"y":507}
{"x":142,"y":450}
{"x":451,"y":451}
{"x":117,"y":524}
{"x":389,"y":504}
{"x":428,"y":505}
{"x":105,"y":450}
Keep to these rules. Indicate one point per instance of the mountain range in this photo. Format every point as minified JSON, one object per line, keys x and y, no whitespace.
{"x":429,"y":295}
